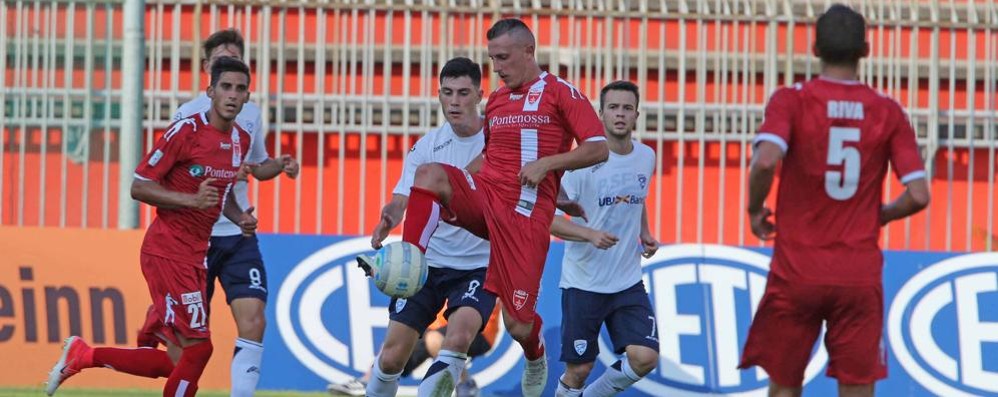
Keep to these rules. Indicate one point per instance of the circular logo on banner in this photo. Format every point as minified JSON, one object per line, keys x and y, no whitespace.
{"x":329,"y":319}
{"x":943,"y":327}
{"x":704,"y":297}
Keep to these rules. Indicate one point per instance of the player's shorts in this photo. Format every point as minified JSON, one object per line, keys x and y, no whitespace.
{"x":628,"y":316}
{"x":519,"y":244}
{"x":456,"y":288}
{"x":854,"y":315}
{"x":236,"y":262}
{"x":178,"y":304}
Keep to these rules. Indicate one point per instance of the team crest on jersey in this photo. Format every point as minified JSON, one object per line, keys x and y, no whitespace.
{"x":399,"y":305}
{"x":533,"y":99}
{"x":520,"y":298}
{"x":580,"y":346}
{"x":642,"y":180}
{"x":195,"y":170}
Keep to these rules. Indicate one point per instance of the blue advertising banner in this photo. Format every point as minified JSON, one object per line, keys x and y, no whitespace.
{"x":326,"y":322}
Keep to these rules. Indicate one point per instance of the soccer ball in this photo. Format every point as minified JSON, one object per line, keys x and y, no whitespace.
{"x":399,"y":269}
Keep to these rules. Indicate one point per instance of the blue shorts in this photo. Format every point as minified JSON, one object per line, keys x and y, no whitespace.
{"x":628,"y":316}
{"x":236,"y":262}
{"x":457,"y":288}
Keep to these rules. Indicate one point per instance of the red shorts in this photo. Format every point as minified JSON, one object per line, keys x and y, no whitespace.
{"x":519,"y":244}
{"x":795,"y":312}
{"x":178,"y":300}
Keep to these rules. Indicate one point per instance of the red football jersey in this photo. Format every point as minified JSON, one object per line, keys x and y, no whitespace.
{"x":838,"y":137}
{"x":538,"y":119}
{"x":190,"y":152}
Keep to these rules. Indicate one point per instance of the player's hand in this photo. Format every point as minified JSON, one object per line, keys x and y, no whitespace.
{"x":572,"y":208}
{"x":762,"y":226}
{"x":533,"y":173}
{"x":245,"y":171}
{"x":247,"y":222}
{"x":601,"y":239}
{"x":207,"y":195}
{"x":289,"y":166}
{"x":381,"y":230}
{"x":649,"y":245}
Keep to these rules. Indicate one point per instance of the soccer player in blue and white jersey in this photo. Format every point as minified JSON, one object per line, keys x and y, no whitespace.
{"x":601,"y":278}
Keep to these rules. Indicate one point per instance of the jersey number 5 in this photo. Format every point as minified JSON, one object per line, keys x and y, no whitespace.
{"x":841,"y":185}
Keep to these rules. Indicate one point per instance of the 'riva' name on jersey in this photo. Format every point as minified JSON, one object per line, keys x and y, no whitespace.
{"x":500,"y":121}
{"x":220,"y":174}
{"x":845,"y":110}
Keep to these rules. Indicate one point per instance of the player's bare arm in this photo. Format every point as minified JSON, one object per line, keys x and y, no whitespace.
{"x":271,"y":168}
{"x":586,"y":154}
{"x":391,"y":215}
{"x":156,"y":195}
{"x":914,"y":199}
{"x":475,"y":164}
{"x":569,"y":206}
{"x":571,"y":231}
{"x":649,"y":244}
{"x":765,"y":158}
{"x":242,"y":218}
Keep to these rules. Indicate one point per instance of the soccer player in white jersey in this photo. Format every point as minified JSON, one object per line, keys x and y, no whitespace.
{"x":457,"y":258}
{"x":233,"y":259}
{"x":600,"y":280}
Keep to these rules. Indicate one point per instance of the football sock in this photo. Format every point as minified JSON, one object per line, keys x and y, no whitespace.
{"x":143,"y":361}
{"x":245,"y":370}
{"x":422,"y":215}
{"x":183,"y":381}
{"x":443,"y":374}
{"x":565,"y":391}
{"x":617,"y":377}
{"x":533,"y":346}
{"x":382,"y":384}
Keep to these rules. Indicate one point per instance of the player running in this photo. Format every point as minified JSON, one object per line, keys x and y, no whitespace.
{"x":835,"y":137}
{"x":234,"y":260}
{"x":601,"y":282}
{"x":530,"y":124}
{"x":189,"y":169}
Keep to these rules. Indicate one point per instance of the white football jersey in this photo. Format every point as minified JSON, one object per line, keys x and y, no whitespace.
{"x":450,"y":246}
{"x":249,"y":119}
{"x":613,"y":195}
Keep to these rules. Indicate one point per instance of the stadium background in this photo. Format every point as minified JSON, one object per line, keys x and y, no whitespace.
{"x":347,"y":86}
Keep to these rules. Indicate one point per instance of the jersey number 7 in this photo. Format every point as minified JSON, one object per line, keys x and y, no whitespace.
{"x":841,"y":185}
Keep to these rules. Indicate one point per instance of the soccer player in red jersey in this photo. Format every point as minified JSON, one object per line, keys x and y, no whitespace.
{"x":530,"y":125}
{"x":190,"y":169}
{"x":835,"y":137}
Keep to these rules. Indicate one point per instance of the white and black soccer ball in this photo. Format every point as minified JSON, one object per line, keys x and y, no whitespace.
{"x":399,"y":269}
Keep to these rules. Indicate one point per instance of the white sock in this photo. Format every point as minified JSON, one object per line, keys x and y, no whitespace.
{"x":617,"y":377}
{"x":382,"y":384}
{"x":245,"y":370}
{"x":565,"y":391}
{"x":443,"y":375}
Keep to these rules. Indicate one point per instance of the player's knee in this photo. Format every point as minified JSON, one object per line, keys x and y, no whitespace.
{"x":576,"y":374}
{"x":458,"y":340}
{"x":520,"y":332}
{"x":642,"y":361}
{"x":430,"y":176}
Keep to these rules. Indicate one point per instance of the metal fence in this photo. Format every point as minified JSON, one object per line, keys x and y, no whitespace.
{"x":346,"y":86}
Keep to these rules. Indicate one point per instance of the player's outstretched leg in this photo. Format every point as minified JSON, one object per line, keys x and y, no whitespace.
{"x":430,"y":188}
{"x":183,"y":380}
{"x":639,"y":361}
{"x":77,"y":356}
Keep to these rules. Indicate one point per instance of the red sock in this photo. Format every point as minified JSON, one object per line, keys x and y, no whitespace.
{"x":183,"y":380}
{"x":143,"y":361}
{"x":533,"y":347}
{"x":422,"y":215}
